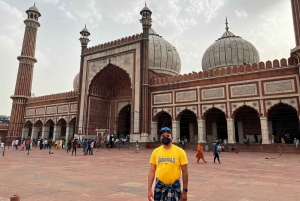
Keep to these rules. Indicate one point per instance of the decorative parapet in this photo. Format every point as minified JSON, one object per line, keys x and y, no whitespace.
{"x":67,"y":96}
{"x":225,"y":71}
{"x":115,"y":43}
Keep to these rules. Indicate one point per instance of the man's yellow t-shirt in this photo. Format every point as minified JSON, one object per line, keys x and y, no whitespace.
{"x":168,"y":163}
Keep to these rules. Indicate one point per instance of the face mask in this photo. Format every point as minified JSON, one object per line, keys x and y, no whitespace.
{"x":166,"y":140}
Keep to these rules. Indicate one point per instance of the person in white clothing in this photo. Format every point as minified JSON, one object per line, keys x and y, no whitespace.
{"x":2,"y":145}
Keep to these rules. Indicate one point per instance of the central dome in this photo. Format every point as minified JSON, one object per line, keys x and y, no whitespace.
{"x":229,"y":50}
{"x":163,"y":57}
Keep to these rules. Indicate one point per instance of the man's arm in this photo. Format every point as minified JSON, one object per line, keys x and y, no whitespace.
{"x":151,"y":176}
{"x":185,"y":178}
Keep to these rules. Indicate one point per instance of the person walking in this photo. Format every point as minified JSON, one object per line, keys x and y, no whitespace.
{"x":92,"y":147}
{"x":74,"y":144}
{"x":27,"y":144}
{"x":41,"y":144}
{"x":200,"y":154}
{"x":69,"y":145}
{"x":137,"y":147}
{"x":2,"y":146}
{"x":167,"y":163}
{"x":85,"y":146}
{"x":216,"y":152}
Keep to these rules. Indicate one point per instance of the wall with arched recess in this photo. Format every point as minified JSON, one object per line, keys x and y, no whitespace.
{"x":182,"y":109}
{"x":237,"y":105}
{"x":158,"y":111}
{"x":206,"y":108}
{"x":293,"y":102}
{"x":111,"y":82}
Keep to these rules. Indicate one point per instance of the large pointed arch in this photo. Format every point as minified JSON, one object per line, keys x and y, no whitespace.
{"x":188,"y":125}
{"x":247,"y":124}
{"x":124,"y":124}
{"x":216,"y":124}
{"x":112,"y":81}
{"x":283,"y":119}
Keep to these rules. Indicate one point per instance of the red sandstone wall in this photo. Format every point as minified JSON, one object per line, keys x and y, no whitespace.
{"x":98,"y":115}
{"x":228,"y":74}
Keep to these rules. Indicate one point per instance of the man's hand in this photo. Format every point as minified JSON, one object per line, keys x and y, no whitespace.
{"x":150,"y":196}
{"x":183,"y":196}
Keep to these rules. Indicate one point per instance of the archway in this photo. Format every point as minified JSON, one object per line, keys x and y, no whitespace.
{"x":27,"y":130}
{"x":61,"y":129}
{"x":124,"y":121}
{"x":216,"y":125}
{"x":247,"y":124}
{"x":49,"y":129}
{"x":163,"y":119}
{"x":38,"y":129}
{"x":283,"y":119}
{"x":188,"y":125}
{"x":72,"y":125}
{"x":110,"y":84}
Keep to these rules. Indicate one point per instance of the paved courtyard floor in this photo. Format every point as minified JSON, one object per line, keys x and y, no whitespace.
{"x":121,"y":175}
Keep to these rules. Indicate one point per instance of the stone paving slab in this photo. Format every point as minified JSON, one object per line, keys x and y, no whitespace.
{"x":118,"y":175}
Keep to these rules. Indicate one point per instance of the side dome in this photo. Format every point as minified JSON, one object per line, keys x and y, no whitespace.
{"x":229,"y":50}
{"x":76,"y":83}
{"x":163,"y":57}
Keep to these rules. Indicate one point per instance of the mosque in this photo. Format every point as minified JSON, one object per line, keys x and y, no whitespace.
{"x":133,"y":86}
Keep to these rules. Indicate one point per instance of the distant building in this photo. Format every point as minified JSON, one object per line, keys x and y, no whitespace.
{"x":4,"y":122}
{"x":133,"y":86}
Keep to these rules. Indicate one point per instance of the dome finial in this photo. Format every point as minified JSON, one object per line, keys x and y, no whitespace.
{"x":145,"y":3}
{"x":226,"y":24}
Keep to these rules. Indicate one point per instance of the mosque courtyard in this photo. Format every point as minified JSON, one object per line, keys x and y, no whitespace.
{"x":117,"y":175}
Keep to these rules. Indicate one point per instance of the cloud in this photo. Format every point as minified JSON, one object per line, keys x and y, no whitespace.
{"x":49,"y":1}
{"x":241,"y":13}
{"x":207,"y":7}
{"x":67,"y":13}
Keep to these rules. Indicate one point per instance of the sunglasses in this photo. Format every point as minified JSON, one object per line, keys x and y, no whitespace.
{"x":165,"y":129}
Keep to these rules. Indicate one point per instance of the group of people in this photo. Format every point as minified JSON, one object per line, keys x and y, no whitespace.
{"x":26,"y":144}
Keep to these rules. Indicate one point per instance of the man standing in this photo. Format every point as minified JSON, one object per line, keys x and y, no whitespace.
{"x":216,"y":152}
{"x":167,"y":162}
{"x":74,"y":145}
{"x":27,"y":144}
{"x":85,"y":146}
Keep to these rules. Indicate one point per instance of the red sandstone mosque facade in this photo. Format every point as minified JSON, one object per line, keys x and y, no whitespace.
{"x":133,"y":86}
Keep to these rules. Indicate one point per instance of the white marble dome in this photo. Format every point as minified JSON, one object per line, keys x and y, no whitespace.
{"x":163,"y":57}
{"x":76,"y":83}
{"x":229,"y":50}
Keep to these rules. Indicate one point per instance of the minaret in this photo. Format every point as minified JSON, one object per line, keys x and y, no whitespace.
{"x":84,"y":40}
{"x":146,"y":23}
{"x":295,"y":52}
{"x":25,"y":73}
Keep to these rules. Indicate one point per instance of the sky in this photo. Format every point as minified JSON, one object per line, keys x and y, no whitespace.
{"x":189,"y":25}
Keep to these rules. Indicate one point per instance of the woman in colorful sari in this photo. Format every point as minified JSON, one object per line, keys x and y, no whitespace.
{"x":200,"y":154}
{"x":58,"y":145}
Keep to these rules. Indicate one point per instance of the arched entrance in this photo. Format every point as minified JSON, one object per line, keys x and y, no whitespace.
{"x":49,"y":129}
{"x":188,"y":125}
{"x":109,"y":87}
{"x":38,"y":129}
{"x":72,"y":125}
{"x":124,"y":121}
{"x":283,"y":119}
{"x":163,"y":119}
{"x":247,"y":124}
{"x":27,"y":130}
{"x":216,"y":125}
{"x":61,"y":129}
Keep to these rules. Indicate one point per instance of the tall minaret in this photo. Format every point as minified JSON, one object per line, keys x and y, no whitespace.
{"x":25,"y":72}
{"x":146,"y":23}
{"x":295,"y":52}
{"x":84,"y":40}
